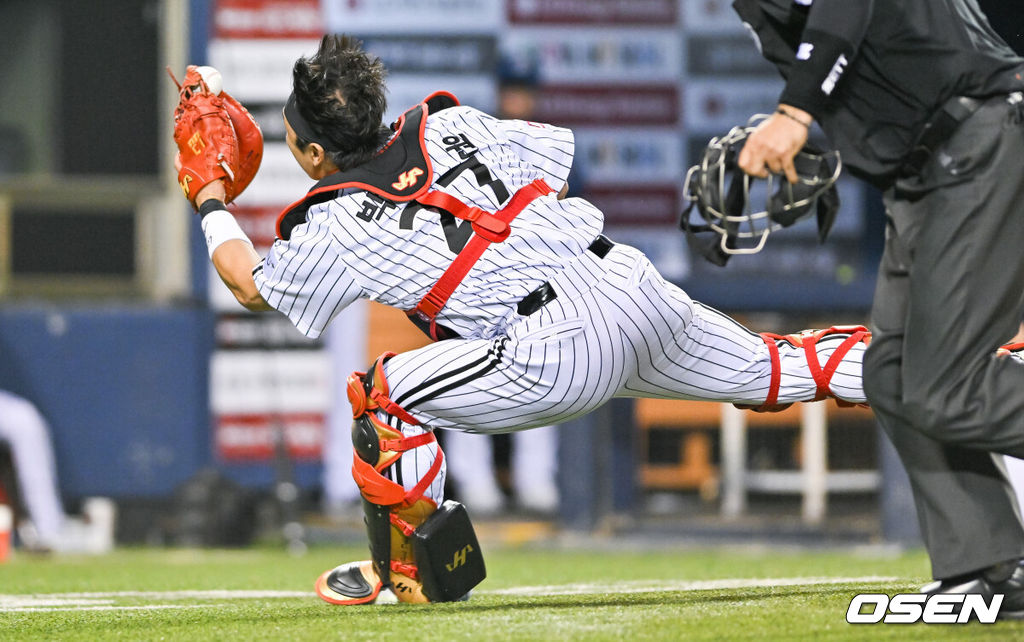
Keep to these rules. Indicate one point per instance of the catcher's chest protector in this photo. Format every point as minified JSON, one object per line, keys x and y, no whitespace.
{"x":401,"y":172}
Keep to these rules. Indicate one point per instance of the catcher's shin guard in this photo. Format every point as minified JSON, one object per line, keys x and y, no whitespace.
{"x":808,"y":340}
{"x":421,"y":553}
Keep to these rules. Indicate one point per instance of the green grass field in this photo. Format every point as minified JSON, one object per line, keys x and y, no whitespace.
{"x":530,"y":594}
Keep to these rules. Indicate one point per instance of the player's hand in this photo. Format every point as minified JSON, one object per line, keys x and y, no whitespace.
{"x":774,"y":143}
{"x":213,"y":189}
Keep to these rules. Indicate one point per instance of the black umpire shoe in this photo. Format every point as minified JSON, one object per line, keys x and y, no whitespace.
{"x":1006,"y":579}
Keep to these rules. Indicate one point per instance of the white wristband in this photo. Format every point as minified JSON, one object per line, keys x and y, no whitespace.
{"x":221,"y":226}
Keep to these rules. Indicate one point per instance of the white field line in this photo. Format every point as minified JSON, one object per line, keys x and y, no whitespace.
{"x":102,"y":601}
{"x":648,"y":586}
{"x":144,"y":607}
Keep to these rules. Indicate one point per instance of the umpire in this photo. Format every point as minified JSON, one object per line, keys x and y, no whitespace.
{"x":922,"y":99}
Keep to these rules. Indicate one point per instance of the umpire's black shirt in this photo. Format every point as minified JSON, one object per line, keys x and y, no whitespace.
{"x":872,"y":72}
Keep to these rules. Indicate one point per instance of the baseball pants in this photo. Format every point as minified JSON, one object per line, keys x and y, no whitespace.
{"x":615,"y":329}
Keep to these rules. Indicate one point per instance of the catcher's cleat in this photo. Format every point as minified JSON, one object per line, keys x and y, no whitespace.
{"x":353,"y":583}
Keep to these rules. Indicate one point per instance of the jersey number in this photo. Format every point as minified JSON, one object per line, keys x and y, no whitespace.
{"x":458,"y":232}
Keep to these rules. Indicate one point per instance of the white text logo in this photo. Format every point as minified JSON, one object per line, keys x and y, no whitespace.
{"x":940,"y":608}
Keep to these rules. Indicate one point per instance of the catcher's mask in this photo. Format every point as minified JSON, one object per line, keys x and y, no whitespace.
{"x":725,"y":197}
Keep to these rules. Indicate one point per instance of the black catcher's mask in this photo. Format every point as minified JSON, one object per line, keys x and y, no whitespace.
{"x":724,"y":196}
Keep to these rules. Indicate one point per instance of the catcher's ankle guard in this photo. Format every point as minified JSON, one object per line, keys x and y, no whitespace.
{"x":822,"y":375}
{"x":423,"y":554}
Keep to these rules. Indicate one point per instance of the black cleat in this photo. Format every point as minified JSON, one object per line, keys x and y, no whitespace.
{"x":1006,"y":579}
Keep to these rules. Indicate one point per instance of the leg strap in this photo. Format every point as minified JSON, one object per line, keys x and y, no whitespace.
{"x":378,"y":445}
{"x":407,"y":532}
{"x":808,"y":340}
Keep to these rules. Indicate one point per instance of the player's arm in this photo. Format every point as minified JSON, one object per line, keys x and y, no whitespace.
{"x":830,"y":39}
{"x":231,"y":251}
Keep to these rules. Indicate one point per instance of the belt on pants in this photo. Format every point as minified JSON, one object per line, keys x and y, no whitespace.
{"x":545,"y":293}
{"x":940,"y":127}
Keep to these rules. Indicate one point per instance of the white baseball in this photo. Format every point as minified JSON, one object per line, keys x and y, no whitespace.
{"x":212,"y":78}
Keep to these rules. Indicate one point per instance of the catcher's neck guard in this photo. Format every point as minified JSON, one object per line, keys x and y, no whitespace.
{"x":400,"y":172}
{"x":724,"y":196}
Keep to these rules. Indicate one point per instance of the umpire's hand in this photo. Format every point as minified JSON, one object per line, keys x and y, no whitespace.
{"x":773,"y":144}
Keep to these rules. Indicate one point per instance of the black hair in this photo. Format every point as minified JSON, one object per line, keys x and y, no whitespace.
{"x":340,"y":93}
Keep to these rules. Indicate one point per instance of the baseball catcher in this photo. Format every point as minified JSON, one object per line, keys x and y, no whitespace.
{"x":461,"y":220}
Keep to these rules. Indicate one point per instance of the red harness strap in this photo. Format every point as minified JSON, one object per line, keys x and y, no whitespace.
{"x":380,"y":490}
{"x":822,"y":376}
{"x":487,"y":227}
{"x":773,"y":353}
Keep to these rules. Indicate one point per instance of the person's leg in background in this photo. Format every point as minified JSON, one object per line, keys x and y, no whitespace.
{"x":471,"y":467}
{"x":28,"y":436}
{"x":534,"y":461}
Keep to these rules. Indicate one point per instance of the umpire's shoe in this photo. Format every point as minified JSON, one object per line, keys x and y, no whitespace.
{"x":1006,"y":579}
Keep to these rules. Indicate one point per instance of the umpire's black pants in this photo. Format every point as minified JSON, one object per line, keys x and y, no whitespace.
{"x":950,"y":291}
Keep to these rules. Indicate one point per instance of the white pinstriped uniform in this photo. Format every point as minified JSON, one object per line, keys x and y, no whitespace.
{"x":616,"y":328}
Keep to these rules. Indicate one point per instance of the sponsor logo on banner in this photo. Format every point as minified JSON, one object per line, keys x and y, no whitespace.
{"x":724,"y":54}
{"x":406,"y":90}
{"x":626,"y":205}
{"x":608,"y":105}
{"x":427,"y":54}
{"x":253,"y":437}
{"x":630,"y":155}
{"x":267,"y":19}
{"x":270,"y":381}
{"x":716,"y":106}
{"x":279,"y":182}
{"x":618,"y":12}
{"x":710,"y":16}
{"x":413,"y":16}
{"x":599,"y":55}
{"x":258,"y":70}
{"x":258,"y":223}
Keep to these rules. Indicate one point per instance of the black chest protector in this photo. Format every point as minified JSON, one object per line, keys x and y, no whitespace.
{"x":400,"y":172}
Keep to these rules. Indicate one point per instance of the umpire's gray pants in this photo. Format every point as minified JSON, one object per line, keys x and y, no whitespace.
{"x":950,"y":291}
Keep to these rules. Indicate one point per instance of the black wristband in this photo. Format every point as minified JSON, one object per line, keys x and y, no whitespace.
{"x":211,"y":205}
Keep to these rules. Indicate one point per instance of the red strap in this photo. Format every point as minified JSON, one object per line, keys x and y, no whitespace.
{"x":823,"y":378}
{"x":489,"y":228}
{"x":409,"y":570}
{"x":402,"y":525}
{"x":380,"y":490}
{"x":776,"y":380}
{"x":407,"y":443}
{"x":390,"y":407}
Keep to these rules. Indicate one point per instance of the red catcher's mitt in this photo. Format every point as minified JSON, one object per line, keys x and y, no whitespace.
{"x":217,"y":138}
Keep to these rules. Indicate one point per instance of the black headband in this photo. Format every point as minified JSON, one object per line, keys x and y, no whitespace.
{"x":300,"y":125}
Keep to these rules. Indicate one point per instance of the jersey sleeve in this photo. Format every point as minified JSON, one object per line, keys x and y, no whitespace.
{"x":830,"y":40}
{"x":306,"y":280}
{"x":547,"y":147}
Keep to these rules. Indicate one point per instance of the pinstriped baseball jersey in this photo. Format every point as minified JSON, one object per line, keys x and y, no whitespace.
{"x":361,"y":245}
{"x":614,"y":328}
